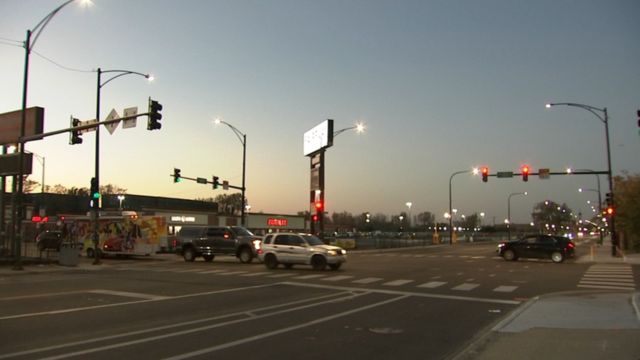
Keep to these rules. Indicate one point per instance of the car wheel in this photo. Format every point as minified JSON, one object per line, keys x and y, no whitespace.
{"x":335,"y":266}
{"x":208,"y":258}
{"x":557,"y":257}
{"x":189,"y":255}
{"x":509,"y":255}
{"x":270,"y":261}
{"x":318,"y":262}
{"x":245,"y":255}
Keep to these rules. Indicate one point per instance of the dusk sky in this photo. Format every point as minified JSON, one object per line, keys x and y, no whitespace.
{"x":442,"y":86}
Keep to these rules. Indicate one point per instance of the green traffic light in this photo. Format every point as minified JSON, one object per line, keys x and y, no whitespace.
{"x":96,"y":195}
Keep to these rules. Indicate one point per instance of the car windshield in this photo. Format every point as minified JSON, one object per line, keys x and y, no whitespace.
{"x":240,"y":231}
{"x":312,"y":240}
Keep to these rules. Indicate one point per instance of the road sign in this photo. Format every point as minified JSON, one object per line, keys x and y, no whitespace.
{"x":114,"y":125}
{"x":10,"y":164}
{"x":505,"y":174}
{"x":201,"y":180}
{"x":225,"y":185}
{"x":10,"y":124}
{"x":543,"y":173}
{"x":130,"y":123}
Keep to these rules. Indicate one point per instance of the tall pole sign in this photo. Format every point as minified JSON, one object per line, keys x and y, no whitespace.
{"x":316,"y":141}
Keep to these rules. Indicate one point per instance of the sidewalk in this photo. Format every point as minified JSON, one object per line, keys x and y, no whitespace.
{"x":581,"y":325}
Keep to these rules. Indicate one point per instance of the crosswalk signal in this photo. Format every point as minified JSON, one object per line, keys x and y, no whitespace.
{"x":153,"y":122}
{"x":216,"y":182}
{"x":485,"y":174}
{"x":74,"y":135}
{"x":176,"y":175}
{"x":525,"y":172}
{"x":608,"y":199}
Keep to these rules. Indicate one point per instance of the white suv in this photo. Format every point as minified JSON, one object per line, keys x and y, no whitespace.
{"x":289,"y":249}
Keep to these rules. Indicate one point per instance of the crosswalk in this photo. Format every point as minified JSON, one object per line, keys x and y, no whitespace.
{"x":332,"y":278}
{"x":608,"y":277}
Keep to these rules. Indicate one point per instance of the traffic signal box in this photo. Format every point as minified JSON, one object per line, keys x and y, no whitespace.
{"x":154,"y":115}
{"x":525,"y":172}
{"x":485,"y":174}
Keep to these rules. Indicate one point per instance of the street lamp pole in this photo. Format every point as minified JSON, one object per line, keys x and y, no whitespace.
{"x":96,"y":202}
{"x":474,"y":171}
{"x":603,"y":116}
{"x":509,"y":213}
{"x":243,"y":140}
{"x":16,"y":207}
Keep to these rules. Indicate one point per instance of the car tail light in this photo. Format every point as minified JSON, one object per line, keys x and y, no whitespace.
{"x":570,"y":246}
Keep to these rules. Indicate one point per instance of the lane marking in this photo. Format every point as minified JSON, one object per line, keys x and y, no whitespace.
{"x":282,"y":275}
{"x":410,"y":293}
{"x":505,"y":288}
{"x":307,"y":277}
{"x":283,"y":330}
{"x":337,"y":278}
{"x":397,"y":282}
{"x":85,"y":308}
{"x":129,"y":294}
{"x":432,"y":284}
{"x":248,"y":315}
{"x":368,"y":280}
{"x":465,"y":287}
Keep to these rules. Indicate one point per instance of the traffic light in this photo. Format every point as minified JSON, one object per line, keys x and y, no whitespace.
{"x":608,"y":199}
{"x":216,"y":182}
{"x":154,"y":115}
{"x":525,"y":172}
{"x":74,"y":135}
{"x":638,"y":113}
{"x":318,"y":206}
{"x":176,"y":175}
{"x":95,"y":193}
{"x":315,"y":217}
{"x":485,"y":174}
{"x":609,"y":211}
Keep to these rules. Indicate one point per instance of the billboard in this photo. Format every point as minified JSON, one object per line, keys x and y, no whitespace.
{"x":318,"y":138}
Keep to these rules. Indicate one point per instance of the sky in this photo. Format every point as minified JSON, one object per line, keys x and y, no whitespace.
{"x":442,"y":86}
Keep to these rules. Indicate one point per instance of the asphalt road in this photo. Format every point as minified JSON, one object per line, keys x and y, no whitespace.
{"x":405,"y":304}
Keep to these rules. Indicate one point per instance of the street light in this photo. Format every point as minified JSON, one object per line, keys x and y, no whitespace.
{"x":16,"y":201}
{"x":409,"y":204}
{"x":243,"y":140}
{"x":358,"y":127}
{"x":96,"y":202}
{"x":508,"y":220}
{"x":603,"y":116}
{"x":121,"y":199}
{"x":475,"y":171}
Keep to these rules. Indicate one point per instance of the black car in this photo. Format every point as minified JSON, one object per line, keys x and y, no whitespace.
{"x":49,"y":240}
{"x":556,"y":248}
{"x":209,"y":241}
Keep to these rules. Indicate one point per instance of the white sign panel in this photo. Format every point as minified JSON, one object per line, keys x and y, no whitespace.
{"x":129,"y":123}
{"x":88,"y":122}
{"x":318,"y":138}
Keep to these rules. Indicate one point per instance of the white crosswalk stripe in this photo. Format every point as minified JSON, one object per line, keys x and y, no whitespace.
{"x":602,"y":278}
{"x":611,"y":277}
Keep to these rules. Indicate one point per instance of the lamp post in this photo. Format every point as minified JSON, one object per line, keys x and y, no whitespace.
{"x":599,"y":203}
{"x":358,"y":127}
{"x":409,"y":204}
{"x":508,"y":222}
{"x":475,"y":172}
{"x":16,"y":201}
{"x":243,"y":140}
{"x":603,"y":116}
{"x":96,"y":202}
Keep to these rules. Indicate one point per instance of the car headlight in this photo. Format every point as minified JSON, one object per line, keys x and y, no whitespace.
{"x":332,"y":252}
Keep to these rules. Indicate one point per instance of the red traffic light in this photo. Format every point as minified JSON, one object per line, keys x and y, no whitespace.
{"x":318,"y":205}
{"x":485,"y":173}
{"x":609,"y":211}
{"x":525,"y":172}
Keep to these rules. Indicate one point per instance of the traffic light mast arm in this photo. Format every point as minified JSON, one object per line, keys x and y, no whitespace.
{"x":77,"y":128}
{"x":208,"y":182}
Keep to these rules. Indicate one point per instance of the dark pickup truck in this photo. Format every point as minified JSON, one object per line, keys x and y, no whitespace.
{"x":209,"y":241}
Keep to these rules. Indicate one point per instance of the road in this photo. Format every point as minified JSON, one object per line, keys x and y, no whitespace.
{"x":404,"y":304}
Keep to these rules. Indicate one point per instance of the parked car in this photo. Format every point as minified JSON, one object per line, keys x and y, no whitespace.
{"x":49,"y":240}
{"x":556,"y":248}
{"x":209,"y":241}
{"x":292,"y":249}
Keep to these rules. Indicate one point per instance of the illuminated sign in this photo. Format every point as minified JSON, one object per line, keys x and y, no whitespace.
{"x":183,"y":219}
{"x":43,"y":219}
{"x":318,"y":138}
{"x":277,"y":222}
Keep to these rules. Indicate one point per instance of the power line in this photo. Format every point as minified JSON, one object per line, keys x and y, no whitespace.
{"x":61,"y":66}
